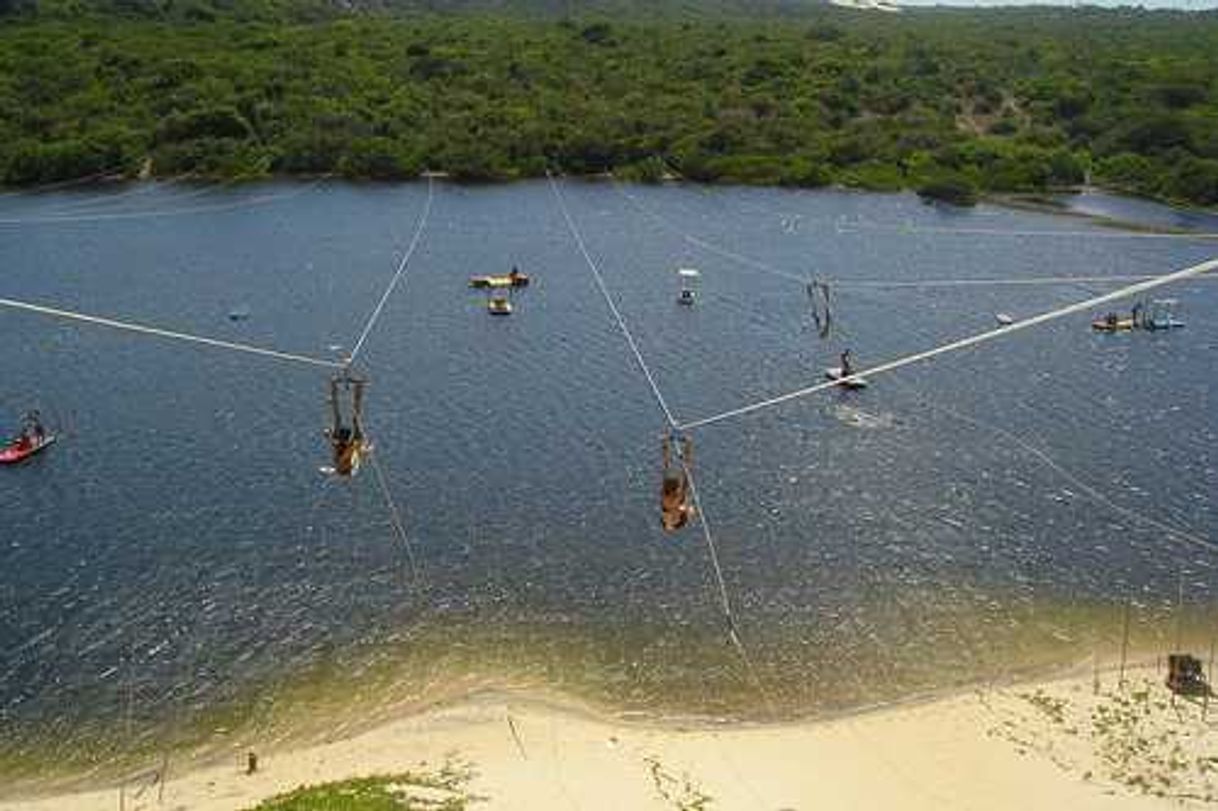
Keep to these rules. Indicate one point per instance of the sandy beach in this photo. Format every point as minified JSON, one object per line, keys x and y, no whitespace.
{"x":1053,"y":744}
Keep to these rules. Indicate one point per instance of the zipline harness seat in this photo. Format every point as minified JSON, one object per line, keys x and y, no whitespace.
{"x":347,"y":440}
{"x":676,"y":507}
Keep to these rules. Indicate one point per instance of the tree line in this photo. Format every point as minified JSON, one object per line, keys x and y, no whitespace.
{"x":953,"y":102}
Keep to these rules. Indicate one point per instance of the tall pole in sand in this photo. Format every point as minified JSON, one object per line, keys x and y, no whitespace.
{"x":1209,"y":671}
{"x":1179,"y":609}
{"x":1124,"y":644}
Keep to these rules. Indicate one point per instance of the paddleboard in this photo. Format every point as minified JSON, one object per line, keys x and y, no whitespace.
{"x":835,"y":373}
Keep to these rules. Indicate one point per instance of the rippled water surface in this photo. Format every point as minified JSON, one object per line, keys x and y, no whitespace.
{"x":178,"y":564}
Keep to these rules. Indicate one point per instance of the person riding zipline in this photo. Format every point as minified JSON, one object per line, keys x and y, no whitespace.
{"x":675,"y":506}
{"x":347,"y":441}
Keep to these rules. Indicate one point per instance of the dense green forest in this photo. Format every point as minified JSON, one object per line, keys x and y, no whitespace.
{"x":950,"y":101}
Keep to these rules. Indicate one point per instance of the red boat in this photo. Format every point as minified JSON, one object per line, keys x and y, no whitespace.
{"x":23,"y":447}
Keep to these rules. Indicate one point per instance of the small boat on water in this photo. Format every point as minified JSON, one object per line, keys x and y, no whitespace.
{"x":512,"y":279}
{"x":689,"y":286}
{"x":1111,"y":323}
{"x":1161,"y":315}
{"x":499,"y":305}
{"x":835,"y":373}
{"x":23,"y":447}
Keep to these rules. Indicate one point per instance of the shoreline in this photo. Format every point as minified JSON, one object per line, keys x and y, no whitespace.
{"x":1039,"y":202}
{"x":514,"y":742}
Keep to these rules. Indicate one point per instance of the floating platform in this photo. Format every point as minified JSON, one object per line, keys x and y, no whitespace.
{"x":513,"y":279}
{"x":1111,"y":325}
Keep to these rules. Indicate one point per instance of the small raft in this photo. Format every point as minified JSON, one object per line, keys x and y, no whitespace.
{"x":1113,"y":325}
{"x":513,"y":279}
{"x":499,"y":306}
{"x":835,"y":373}
{"x":22,"y":448}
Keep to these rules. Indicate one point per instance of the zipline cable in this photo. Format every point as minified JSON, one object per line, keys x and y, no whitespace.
{"x":1001,"y":232}
{"x":1031,"y":281}
{"x":93,"y":201}
{"x":733,"y":632}
{"x":879,"y":283}
{"x":600,"y":283}
{"x":101,"y":203}
{"x":707,"y":246}
{"x":395,"y":516}
{"x":963,"y":343}
{"x":414,"y":243}
{"x":61,"y":184}
{"x":142,"y":329}
{"x":724,"y":601}
{"x":1091,"y":491}
{"x":169,"y":212}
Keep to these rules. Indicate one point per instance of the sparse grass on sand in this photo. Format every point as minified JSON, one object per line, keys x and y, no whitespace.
{"x":442,"y":790}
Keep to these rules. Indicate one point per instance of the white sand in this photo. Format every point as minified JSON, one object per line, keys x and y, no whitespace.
{"x":1041,"y":746}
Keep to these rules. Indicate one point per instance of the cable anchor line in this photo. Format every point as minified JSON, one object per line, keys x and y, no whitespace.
{"x":144,"y":329}
{"x":157,"y":213}
{"x":621,"y":322}
{"x":963,"y":343}
{"x":397,"y":276}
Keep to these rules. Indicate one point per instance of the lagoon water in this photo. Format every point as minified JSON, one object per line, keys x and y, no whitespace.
{"x":176,"y":569}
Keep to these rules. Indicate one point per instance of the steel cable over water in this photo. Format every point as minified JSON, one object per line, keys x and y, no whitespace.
{"x":600,"y":284}
{"x":963,"y":343}
{"x":112,"y":172}
{"x":859,"y":227}
{"x":1096,"y":495}
{"x":380,"y":305}
{"x":764,"y":267}
{"x":168,"y":212}
{"x":142,"y":329}
{"x":1176,"y":533}
{"x":724,"y":601}
{"x":703,"y":244}
{"x":1030,"y":281}
{"x":395,"y":516}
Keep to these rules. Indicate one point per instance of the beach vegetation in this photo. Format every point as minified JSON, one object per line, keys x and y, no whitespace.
{"x":445,"y":789}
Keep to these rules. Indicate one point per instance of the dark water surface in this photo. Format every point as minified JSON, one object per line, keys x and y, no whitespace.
{"x":177,"y":565}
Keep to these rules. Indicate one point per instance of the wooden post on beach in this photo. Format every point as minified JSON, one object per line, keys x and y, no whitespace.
{"x":1209,"y":671}
{"x":1179,"y":610}
{"x":1179,"y":621}
{"x":1124,"y":644}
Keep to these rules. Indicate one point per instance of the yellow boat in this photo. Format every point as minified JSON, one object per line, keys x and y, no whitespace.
{"x":513,"y":279}
{"x":499,"y":305}
{"x":1112,"y":324}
